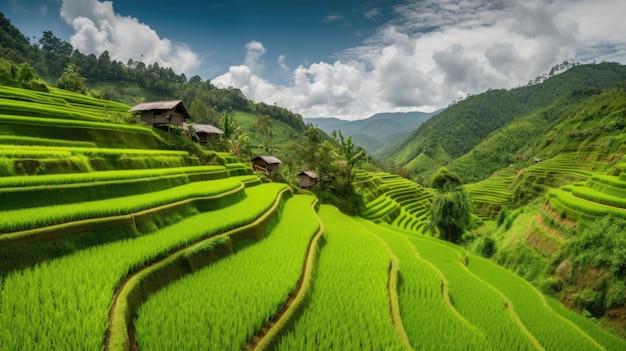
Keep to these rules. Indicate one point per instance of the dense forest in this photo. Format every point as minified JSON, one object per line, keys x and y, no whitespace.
{"x":131,"y":82}
{"x":465,"y":124}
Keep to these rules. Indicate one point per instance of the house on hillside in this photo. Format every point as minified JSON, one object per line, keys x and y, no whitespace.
{"x":202,"y":133}
{"x":266,"y":164}
{"x":162,"y":114}
{"x":307,"y":179}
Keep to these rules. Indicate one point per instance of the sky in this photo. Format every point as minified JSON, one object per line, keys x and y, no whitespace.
{"x":343,"y":58}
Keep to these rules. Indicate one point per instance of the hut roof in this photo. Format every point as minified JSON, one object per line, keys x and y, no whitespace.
{"x":206,"y":128}
{"x":176,"y":105}
{"x":310,"y":174}
{"x":268,"y":159}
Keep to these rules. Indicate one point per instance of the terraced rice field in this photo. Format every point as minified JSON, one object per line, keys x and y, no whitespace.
{"x":193,"y":256}
{"x":600,"y":195}
{"x":374,"y":286}
{"x":492,"y":194}
{"x":261,"y":279}
{"x":565,"y":165}
{"x":84,"y":281}
{"x":400,"y":202}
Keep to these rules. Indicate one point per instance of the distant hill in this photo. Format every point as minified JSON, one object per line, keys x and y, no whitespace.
{"x":377,"y":132}
{"x":461,"y":127}
{"x":134,"y":82}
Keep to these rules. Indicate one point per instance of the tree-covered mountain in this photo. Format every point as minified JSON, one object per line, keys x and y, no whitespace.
{"x":134,"y":82}
{"x":377,"y":132}
{"x":462,"y":126}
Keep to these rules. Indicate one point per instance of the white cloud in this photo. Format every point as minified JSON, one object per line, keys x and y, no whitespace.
{"x":254,"y":51}
{"x":282,"y":63}
{"x":98,"y":28}
{"x":43,"y":10}
{"x":436,"y":51}
{"x":432,"y":52}
{"x":373,"y":13}
{"x":601,"y":28}
{"x":332,"y":18}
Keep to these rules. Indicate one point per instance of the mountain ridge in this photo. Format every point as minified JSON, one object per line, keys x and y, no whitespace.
{"x":377,"y":132}
{"x":464,"y":125}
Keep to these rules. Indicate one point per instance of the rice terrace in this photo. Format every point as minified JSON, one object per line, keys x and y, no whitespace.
{"x":123,"y":228}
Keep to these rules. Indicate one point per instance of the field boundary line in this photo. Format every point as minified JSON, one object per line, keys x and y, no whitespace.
{"x":508,"y":305}
{"x":57,"y":231}
{"x":129,"y":294}
{"x":445,"y":294}
{"x":557,"y":314}
{"x":392,"y":293}
{"x":295,"y":302}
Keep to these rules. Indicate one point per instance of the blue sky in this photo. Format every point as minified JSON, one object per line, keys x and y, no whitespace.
{"x":348,"y":59}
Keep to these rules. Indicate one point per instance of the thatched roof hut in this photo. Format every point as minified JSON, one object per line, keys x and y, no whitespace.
{"x":307,"y":179}
{"x":162,"y":113}
{"x":266,"y":164}
{"x":203,"y":133}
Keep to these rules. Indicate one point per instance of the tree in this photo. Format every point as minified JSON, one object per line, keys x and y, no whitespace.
{"x":52,"y":44}
{"x":72,"y":80}
{"x":199,"y":111}
{"x":352,"y":154}
{"x":227,"y":123}
{"x":25,"y":73}
{"x":264,"y":124}
{"x":451,"y":211}
{"x":324,"y":159}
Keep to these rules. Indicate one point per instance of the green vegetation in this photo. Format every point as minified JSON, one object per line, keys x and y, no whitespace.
{"x":451,"y":211}
{"x":359,"y":317}
{"x":511,"y":120}
{"x":45,"y":297}
{"x":258,"y":274}
{"x":30,"y":218}
{"x":425,"y":312}
{"x":100,"y":215}
{"x":552,"y":329}
{"x":375,"y":133}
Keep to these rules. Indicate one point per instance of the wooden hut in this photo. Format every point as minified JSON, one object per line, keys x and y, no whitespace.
{"x":266,"y":164}
{"x":162,"y":113}
{"x":203,"y":133}
{"x":307,"y":179}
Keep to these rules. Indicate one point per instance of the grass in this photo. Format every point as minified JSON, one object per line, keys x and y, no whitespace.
{"x":473,"y":298}
{"x":73,"y":293}
{"x":352,"y":276}
{"x":553,"y":330}
{"x":67,"y":193}
{"x":392,"y":199}
{"x":430,"y":322}
{"x":255,"y":275}
{"x":37,"y":217}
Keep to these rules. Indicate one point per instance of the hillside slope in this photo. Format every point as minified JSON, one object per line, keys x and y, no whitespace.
{"x":87,"y":251}
{"x":462,"y":126}
{"x":377,"y":132}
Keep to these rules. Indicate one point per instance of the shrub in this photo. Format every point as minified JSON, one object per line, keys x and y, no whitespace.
{"x":590,"y":301}
{"x":616,"y":294}
{"x":602,"y":244}
{"x":550,"y":286}
{"x":488,"y":247}
{"x":501,"y":217}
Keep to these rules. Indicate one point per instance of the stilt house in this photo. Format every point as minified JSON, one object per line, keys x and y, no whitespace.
{"x":162,"y":113}
{"x":203,"y":133}
{"x":307,"y":179}
{"x":266,"y":164}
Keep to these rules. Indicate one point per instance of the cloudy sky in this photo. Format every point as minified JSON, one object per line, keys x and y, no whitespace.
{"x":348,"y":58}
